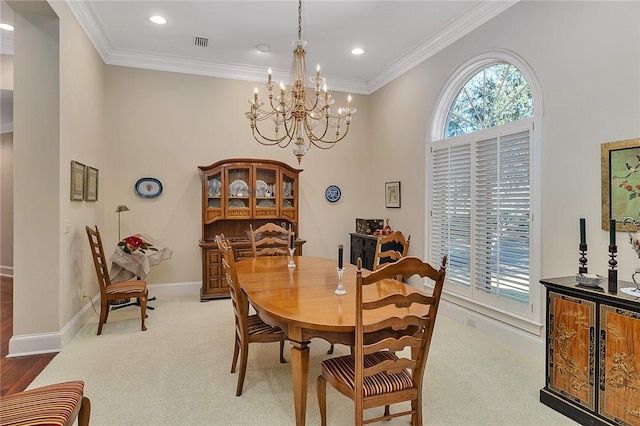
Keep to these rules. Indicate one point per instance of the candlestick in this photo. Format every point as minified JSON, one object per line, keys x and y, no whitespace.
{"x":582,"y":269}
{"x":340,"y":255}
{"x":612,"y":232}
{"x":613,"y":274}
{"x":291,"y":238}
{"x":340,"y":288}
{"x":583,"y":232}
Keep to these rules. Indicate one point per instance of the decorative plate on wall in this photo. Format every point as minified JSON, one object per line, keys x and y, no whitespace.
{"x":148,"y":187}
{"x":332,"y":193}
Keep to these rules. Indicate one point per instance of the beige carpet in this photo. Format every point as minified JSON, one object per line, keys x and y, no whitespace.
{"x":177,"y":373}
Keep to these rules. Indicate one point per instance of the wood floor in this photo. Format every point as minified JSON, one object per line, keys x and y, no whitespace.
{"x":15,"y":373}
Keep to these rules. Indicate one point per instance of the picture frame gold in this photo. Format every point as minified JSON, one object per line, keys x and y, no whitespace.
{"x":91,"y":184}
{"x":620,"y":180}
{"x":76,"y":188}
{"x":392,"y":195}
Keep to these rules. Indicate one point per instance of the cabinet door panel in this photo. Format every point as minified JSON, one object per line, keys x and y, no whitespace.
{"x":571,"y":348}
{"x":619,"y":387}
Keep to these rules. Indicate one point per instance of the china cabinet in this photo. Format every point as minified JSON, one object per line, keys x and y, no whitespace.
{"x":237,"y":193}
{"x":592,"y":353}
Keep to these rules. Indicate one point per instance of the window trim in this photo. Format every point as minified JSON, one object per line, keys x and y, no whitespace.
{"x":533,"y":322}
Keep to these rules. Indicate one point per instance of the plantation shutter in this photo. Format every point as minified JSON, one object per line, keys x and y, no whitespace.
{"x":482,"y":189}
{"x":451,"y":211}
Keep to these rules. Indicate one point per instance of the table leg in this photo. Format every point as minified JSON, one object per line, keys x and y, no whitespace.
{"x":300,"y":374}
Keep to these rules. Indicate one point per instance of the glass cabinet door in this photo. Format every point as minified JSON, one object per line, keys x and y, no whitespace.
{"x":214,"y":196}
{"x":266,"y":192}
{"x":289,"y":196}
{"x":238,"y":192}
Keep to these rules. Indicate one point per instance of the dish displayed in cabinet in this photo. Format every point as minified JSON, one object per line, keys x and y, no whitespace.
{"x":214,"y":204}
{"x":239,"y":188}
{"x":261,"y":188}
{"x":266,"y":203}
{"x":214,"y":188}
{"x":236,"y":203}
{"x":287,"y":203}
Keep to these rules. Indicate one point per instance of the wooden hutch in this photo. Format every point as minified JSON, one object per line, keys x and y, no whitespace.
{"x":237,"y":193}
{"x":593,"y":352}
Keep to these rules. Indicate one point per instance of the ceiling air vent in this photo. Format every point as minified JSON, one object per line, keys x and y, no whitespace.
{"x":201,"y":41}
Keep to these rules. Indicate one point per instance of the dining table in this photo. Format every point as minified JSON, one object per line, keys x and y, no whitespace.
{"x":302,"y":301}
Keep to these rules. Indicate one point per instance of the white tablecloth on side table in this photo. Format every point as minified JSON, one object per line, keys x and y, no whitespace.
{"x":138,"y":263}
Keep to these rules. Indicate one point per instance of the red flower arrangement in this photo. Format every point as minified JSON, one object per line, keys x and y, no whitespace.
{"x":133,"y":243}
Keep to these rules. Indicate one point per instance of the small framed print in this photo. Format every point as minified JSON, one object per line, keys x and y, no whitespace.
{"x":77,"y":181}
{"x":620,"y":192}
{"x":91,"y":184}
{"x":392,"y":195}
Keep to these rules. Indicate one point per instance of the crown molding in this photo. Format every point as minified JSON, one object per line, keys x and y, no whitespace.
{"x":482,"y":13}
{"x":93,"y":27}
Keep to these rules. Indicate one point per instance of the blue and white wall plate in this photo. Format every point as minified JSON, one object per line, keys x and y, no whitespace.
{"x":148,"y":187}
{"x":332,"y":193}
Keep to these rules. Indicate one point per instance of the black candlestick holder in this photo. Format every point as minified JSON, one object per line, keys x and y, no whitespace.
{"x":582,"y":269}
{"x":613,"y":273}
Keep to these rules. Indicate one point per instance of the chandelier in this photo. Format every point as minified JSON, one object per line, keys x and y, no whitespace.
{"x":299,"y":114}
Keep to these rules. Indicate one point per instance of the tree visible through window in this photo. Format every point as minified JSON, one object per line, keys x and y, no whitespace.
{"x":496,"y":95}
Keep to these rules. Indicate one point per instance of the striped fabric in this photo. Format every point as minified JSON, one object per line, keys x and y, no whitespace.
{"x":124,"y":287}
{"x":257,"y":326}
{"x":343,"y":368}
{"x":48,"y":405}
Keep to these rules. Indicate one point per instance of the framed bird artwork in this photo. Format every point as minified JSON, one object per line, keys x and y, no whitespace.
{"x":620,"y":167}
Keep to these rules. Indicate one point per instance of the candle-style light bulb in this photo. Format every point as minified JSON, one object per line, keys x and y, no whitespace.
{"x":318,"y":70}
{"x":348,"y":101}
{"x":269,"y":75}
{"x":255,"y":95}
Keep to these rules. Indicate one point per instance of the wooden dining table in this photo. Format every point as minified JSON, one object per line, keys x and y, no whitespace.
{"x":302,"y":302}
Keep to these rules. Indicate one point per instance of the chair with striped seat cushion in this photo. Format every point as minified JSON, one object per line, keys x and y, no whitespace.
{"x":53,"y":405}
{"x":249,"y":328}
{"x":389,"y":356}
{"x":111,"y":292}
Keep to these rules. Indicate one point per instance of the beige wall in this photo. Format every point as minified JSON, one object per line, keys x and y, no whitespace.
{"x":6,"y":72}
{"x":164,"y":125}
{"x":6,"y":204}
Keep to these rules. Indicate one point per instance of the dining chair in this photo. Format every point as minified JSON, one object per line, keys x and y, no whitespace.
{"x":58,"y":404}
{"x":111,"y":292}
{"x":270,"y":240}
{"x":376,"y":374}
{"x":248,"y":328}
{"x":390,"y":248}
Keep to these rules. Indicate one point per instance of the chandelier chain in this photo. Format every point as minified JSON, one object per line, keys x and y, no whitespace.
{"x":299,"y":19}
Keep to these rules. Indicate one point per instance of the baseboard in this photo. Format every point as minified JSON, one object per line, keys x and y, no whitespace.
{"x":42,"y":343}
{"x":175,"y":289}
{"x":518,"y":339}
{"x":34,"y":344}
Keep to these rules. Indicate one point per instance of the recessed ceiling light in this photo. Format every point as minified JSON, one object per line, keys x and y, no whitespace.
{"x":357,"y":51}
{"x":263,"y":48}
{"x":6,"y":27}
{"x":156,"y":19}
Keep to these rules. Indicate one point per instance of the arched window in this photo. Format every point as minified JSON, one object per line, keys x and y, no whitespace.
{"x":498,"y":94}
{"x":480,"y":194}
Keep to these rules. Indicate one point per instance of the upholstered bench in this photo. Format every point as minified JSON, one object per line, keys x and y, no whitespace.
{"x":57,"y":404}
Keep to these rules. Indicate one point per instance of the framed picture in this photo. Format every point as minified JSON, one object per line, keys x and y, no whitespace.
{"x":77,"y":181}
{"x":620,"y":167}
{"x":392,"y":195}
{"x":91,"y":184}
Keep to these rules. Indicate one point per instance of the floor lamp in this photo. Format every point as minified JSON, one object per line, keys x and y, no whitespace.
{"x":121,"y":208}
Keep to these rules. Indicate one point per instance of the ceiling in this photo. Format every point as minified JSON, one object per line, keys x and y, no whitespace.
{"x":396,"y":35}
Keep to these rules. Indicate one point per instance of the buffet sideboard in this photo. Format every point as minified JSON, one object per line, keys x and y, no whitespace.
{"x":592,"y":369}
